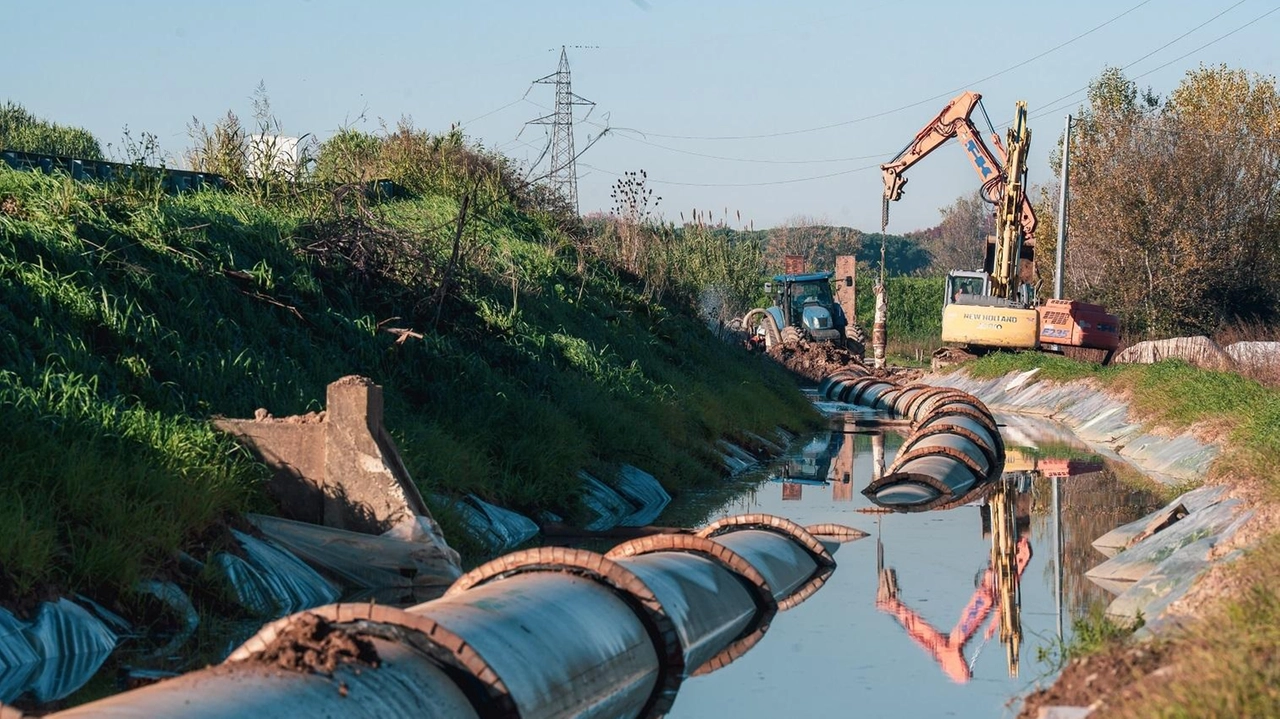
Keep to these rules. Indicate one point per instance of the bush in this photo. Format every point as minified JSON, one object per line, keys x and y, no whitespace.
{"x":20,"y":130}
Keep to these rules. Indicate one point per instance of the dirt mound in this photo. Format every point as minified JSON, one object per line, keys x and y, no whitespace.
{"x":814,"y":360}
{"x":1110,"y":676}
{"x":311,"y":644}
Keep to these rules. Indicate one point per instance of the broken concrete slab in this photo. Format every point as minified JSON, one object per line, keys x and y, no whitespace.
{"x":339,"y":468}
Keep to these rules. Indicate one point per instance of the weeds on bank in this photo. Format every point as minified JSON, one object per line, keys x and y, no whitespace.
{"x":127,"y":319}
{"x":1092,"y":633}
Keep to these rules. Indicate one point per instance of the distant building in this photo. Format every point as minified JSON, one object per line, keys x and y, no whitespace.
{"x":276,"y":154}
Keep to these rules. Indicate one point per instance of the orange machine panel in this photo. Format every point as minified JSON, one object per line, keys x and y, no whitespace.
{"x":1078,"y":324}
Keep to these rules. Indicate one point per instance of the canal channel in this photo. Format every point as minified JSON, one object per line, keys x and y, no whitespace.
{"x":911,"y":622}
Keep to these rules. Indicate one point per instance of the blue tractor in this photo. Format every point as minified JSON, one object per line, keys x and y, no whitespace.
{"x":803,"y":310}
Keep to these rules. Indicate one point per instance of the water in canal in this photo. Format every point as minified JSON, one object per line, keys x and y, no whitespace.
{"x":910,"y":623}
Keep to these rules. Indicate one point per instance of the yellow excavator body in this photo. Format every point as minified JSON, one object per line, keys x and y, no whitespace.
{"x":990,"y":326}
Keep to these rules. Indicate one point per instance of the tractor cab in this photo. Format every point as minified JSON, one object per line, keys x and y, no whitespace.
{"x":803,"y":303}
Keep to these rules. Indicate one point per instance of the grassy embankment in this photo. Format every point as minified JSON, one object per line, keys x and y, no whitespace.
{"x":1224,"y":665}
{"x":127,"y":318}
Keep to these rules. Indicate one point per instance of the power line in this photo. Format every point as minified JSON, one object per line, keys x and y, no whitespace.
{"x":744,"y":184}
{"x":1038,"y":114}
{"x":619,"y":131}
{"x":1153,"y":52}
{"x":498,"y":109}
{"x":949,"y":93}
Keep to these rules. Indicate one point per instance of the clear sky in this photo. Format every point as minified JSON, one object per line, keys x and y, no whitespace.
{"x":875,"y":69}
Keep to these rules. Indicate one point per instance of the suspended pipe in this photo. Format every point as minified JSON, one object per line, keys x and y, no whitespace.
{"x":953,"y":453}
{"x":546,"y":632}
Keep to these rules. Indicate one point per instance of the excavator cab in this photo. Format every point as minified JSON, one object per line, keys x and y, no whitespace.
{"x":967,"y":287}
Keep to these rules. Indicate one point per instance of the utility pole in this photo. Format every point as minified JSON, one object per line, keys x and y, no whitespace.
{"x":564,"y":169}
{"x":1061,"y":260}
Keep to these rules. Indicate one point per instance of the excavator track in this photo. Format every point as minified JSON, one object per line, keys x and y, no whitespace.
{"x":1083,"y":354}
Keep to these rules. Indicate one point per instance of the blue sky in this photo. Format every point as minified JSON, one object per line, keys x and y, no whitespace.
{"x":703,"y":69}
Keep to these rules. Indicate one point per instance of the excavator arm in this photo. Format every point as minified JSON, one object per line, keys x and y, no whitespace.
{"x":954,"y":122}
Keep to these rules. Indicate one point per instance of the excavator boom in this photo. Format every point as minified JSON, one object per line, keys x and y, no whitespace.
{"x":954,"y":122}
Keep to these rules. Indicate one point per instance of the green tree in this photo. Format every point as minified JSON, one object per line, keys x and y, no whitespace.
{"x":959,"y":241}
{"x":1175,"y":211}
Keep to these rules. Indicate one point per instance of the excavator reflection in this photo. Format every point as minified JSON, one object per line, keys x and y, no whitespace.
{"x":997,"y":589}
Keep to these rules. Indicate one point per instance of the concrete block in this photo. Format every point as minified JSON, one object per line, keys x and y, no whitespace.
{"x":339,"y":467}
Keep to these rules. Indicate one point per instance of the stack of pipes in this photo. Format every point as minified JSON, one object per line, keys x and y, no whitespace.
{"x":953,"y":452}
{"x":546,"y":632}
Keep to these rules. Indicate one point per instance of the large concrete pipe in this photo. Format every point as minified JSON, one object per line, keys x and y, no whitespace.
{"x":954,"y":451}
{"x":547,"y":632}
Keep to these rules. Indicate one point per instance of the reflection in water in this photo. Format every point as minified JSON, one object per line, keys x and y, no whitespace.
{"x":1001,"y":583}
{"x":828,"y":461}
{"x":997,"y":590}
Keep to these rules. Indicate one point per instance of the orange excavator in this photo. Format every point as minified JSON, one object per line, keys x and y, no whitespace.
{"x":996,"y":307}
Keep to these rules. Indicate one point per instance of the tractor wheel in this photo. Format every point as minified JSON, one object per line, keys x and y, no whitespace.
{"x":790,"y":335}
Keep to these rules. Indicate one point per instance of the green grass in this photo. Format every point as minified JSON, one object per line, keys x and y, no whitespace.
{"x":128,"y":318}
{"x":1091,"y":633}
{"x":1052,"y":367}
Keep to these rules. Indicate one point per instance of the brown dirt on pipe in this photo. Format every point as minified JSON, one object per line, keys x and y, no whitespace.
{"x":312,"y":645}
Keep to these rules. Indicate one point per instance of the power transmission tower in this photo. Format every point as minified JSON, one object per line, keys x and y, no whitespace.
{"x":564,"y":167}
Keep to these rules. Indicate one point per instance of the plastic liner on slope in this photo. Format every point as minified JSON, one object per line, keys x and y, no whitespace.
{"x":1120,"y":538}
{"x":1095,"y":417}
{"x":606,"y":506}
{"x":732,"y":465}
{"x":17,"y":657}
{"x":734,"y":458}
{"x":363,"y":560}
{"x":1255,"y":355}
{"x":272,"y":582}
{"x":1118,"y":574}
{"x":497,"y":528}
{"x":1150,"y":596}
{"x":53,"y":655}
{"x":177,"y":601}
{"x":644,"y":492}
